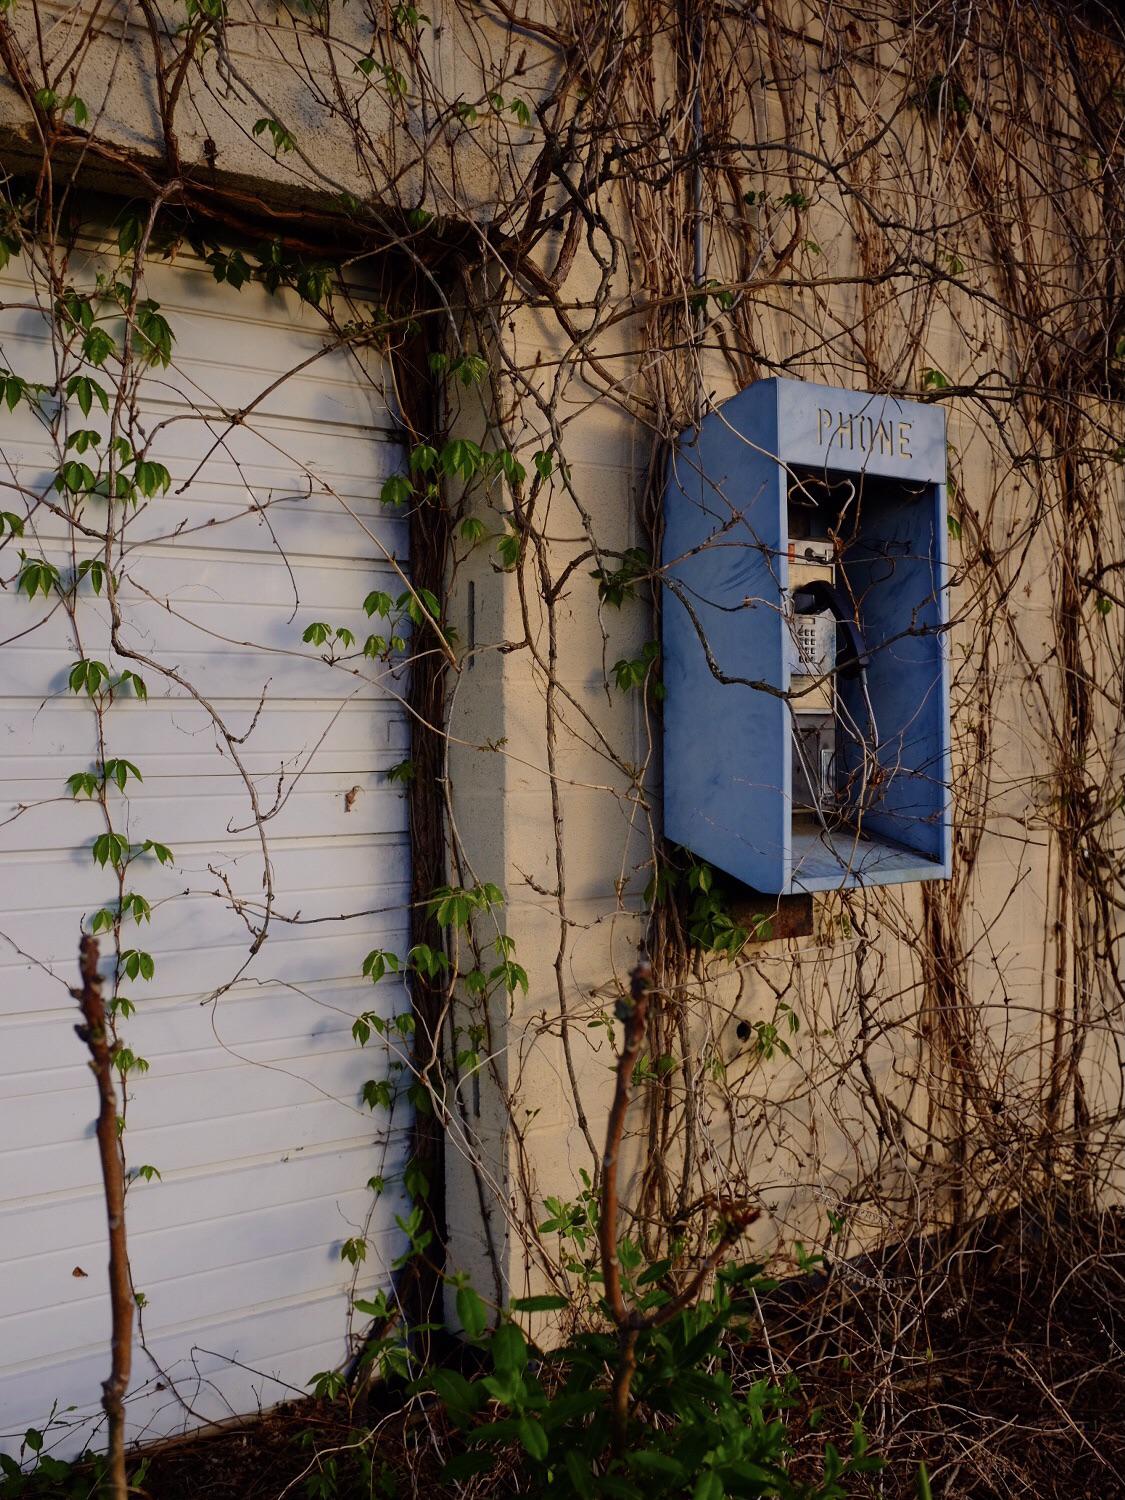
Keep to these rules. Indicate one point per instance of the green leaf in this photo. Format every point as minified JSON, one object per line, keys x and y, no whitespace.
{"x":708,"y":1487}
{"x":423,"y":458}
{"x":461,"y":1398}
{"x":119,"y":771}
{"x":579,"y":1473}
{"x":396,"y":490}
{"x":379,"y":1308}
{"x":609,"y":1484}
{"x":138,"y":906}
{"x":151,"y":478}
{"x":544,"y":1303}
{"x":471,"y":1312}
{"x":37,"y":576}
{"x":509,"y":1349}
{"x":922,"y":1484}
{"x":533,"y":1438}
{"x":327,"y":1384}
{"x":94,"y":569}
{"x":469,"y":369}
{"x":378,"y":961}
{"x":282,"y":140}
{"x":650,"y":1461}
{"x":508,"y":548}
{"x":153,"y":337}
{"x":314,"y":283}
{"x":354,"y":1250}
{"x":377,"y":1094}
{"x":513,"y":975}
{"x":88,"y":677}
{"x":509,"y":465}
{"x":615,"y":585}
{"x":462,"y":457}
{"x":75,"y":478}
{"x":129,"y":234}
{"x":428,"y":961}
{"x":13,"y":389}
{"x":97,"y":346}
{"x":231,"y":267}
{"x":136,"y":965}
{"x":378,"y":603}
{"x":86,"y":391}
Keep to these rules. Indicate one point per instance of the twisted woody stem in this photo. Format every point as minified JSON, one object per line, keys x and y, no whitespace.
{"x":631,"y":1322}
{"x":97,"y":1034}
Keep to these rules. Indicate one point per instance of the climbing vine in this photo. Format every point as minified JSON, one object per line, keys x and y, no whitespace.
{"x":551,"y":239}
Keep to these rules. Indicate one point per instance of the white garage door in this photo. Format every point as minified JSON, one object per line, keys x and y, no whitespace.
{"x":251,"y":1108}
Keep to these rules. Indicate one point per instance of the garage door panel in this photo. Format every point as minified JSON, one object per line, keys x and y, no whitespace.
{"x":274,"y":1024}
{"x":277,"y":521}
{"x":283,"y":1340}
{"x":204,"y":1198}
{"x":205,"y":810}
{"x":172,"y":737}
{"x":272,"y":457}
{"x":168,"y":1095}
{"x":42,"y":673}
{"x":278,"y":456}
{"x":186,"y":574}
{"x":242,"y":1252}
{"x":309,"y":958}
{"x":205,"y":920}
{"x":214,"y":386}
{"x":226,"y":1291}
{"x":282,"y":524}
{"x":196,"y":622}
{"x":317,"y":879}
{"x":187,"y":1261}
{"x":73,"y":1164}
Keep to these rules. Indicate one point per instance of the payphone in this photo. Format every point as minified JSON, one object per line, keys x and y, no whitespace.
{"x":806,"y":740}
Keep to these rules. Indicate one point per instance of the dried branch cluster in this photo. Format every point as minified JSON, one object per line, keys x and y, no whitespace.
{"x":586,"y":213}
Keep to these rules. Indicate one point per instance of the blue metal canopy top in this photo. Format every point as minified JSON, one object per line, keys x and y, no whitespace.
{"x":728,"y":716}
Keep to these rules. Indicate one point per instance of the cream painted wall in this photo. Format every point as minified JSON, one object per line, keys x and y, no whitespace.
{"x":800,"y":1156}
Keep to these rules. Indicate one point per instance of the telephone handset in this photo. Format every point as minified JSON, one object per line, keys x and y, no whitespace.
{"x":816,"y":597}
{"x":815,"y":736}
